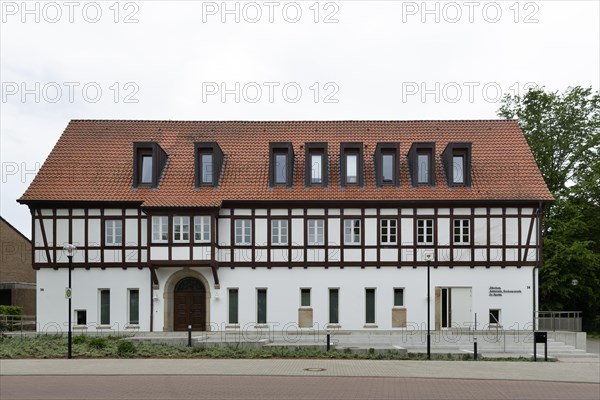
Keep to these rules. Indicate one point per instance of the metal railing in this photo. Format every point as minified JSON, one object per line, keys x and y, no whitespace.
{"x":569,"y":321}
{"x":16,"y":323}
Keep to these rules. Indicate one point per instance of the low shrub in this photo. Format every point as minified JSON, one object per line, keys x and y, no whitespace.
{"x":79,"y":339}
{"x":126,"y":349}
{"x":97,"y":343}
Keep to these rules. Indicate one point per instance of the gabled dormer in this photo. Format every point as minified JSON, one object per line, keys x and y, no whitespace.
{"x":149,"y":161}
{"x":457,"y":164}
{"x":208,"y":161}
{"x":421,"y":164}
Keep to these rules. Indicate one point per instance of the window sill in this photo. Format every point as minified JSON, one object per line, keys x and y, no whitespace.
{"x":232,"y":326}
{"x":372,"y":326}
{"x":103,"y":327}
{"x":398,"y":308}
{"x":132,"y":326}
{"x":80,"y":327}
{"x":306,"y":308}
{"x":333,"y":326}
{"x":261,"y":326}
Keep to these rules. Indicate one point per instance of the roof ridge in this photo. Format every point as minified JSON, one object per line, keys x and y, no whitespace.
{"x":298,"y":121}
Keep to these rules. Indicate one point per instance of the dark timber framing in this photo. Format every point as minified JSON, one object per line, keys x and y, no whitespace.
{"x":132,"y":256}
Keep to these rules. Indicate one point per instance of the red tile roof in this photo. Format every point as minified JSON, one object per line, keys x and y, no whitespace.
{"x":93,"y":161}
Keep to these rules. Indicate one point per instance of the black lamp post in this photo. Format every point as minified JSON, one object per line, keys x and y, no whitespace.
{"x":428,"y":257}
{"x":69,"y":251}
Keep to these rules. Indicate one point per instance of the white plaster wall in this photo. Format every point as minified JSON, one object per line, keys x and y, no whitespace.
{"x":52,"y":306}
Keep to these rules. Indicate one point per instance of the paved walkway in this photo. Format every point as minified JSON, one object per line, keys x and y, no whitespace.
{"x":576,"y":370}
{"x":284,"y":388}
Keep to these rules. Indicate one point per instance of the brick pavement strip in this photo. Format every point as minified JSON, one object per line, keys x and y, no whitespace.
{"x":283,"y":388}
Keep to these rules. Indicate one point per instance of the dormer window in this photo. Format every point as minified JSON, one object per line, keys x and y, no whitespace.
{"x":149,"y":160}
{"x":209,"y":163}
{"x":316,"y":164}
{"x":146,"y":168}
{"x":281,"y":164}
{"x":421,"y":163}
{"x":351,"y":164}
{"x":387,"y":161}
{"x":457,"y":164}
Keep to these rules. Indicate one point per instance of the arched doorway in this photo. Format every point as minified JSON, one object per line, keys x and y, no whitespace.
{"x":189,"y":305}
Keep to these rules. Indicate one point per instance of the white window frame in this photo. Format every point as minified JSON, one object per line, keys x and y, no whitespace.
{"x":462,"y":225}
{"x":309,"y":297}
{"x":386,"y":237}
{"x":202,"y":228}
{"x":110,"y":240}
{"x":278,"y":237}
{"x":350,"y":235}
{"x":246,"y":227}
{"x":427,"y":226}
{"x":160,"y":235}
{"x":183,"y":223}
{"x":313,"y":232}
{"x":394,"y":296}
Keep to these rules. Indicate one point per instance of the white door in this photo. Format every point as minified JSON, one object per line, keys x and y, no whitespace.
{"x":461,"y":307}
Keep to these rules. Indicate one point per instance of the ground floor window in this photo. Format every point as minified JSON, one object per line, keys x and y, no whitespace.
{"x":233,"y":306}
{"x":398,"y":297}
{"x":334,"y":306}
{"x":261,"y":306}
{"x":134,"y":306}
{"x":81,"y":317}
{"x":370,"y":306}
{"x":494,"y":316}
{"x":305,"y":297}
{"x":104,"y":306}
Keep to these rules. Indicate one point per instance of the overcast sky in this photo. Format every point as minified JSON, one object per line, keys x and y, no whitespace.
{"x":273,"y":60}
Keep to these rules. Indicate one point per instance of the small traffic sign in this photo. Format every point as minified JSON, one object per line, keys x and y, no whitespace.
{"x":68,"y":293}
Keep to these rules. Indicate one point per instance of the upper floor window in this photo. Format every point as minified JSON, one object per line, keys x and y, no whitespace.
{"x":457,"y":164}
{"x":149,"y":160}
{"x":281,"y":164}
{"x":389,"y":231}
{"x":202,"y":228}
{"x":160,"y":229}
{"x":352,"y":231}
{"x":316,"y":164}
{"x":424,"y":231}
{"x":243,"y":232}
{"x":181,"y":229}
{"x":316,"y":232}
{"x":351,"y":164}
{"x":209,"y":162}
{"x":387,"y":161}
{"x":279,"y":232}
{"x":146,"y":170}
{"x":421,"y":163}
{"x":461,"y":228}
{"x":113,"y":232}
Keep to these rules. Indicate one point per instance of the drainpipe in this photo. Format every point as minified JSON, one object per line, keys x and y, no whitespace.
{"x":151,"y":301}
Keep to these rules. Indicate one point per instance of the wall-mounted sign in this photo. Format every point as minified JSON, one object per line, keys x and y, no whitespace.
{"x":497,"y":291}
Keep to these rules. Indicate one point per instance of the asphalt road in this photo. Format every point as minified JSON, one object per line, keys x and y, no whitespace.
{"x":283,"y":388}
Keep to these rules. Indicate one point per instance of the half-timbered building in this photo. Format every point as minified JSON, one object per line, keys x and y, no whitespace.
{"x":310,"y":224}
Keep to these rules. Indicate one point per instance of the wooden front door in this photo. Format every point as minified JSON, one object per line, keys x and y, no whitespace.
{"x":190,"y":305}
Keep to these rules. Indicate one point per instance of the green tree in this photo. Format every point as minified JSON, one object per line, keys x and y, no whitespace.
{"x":563,"y":131}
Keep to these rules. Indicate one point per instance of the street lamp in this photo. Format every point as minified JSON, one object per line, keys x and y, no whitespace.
{"x":428,"y":258}
{"x":69,"y":251}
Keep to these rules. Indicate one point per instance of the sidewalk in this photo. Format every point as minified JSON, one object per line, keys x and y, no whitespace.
{"x":579,"y":370}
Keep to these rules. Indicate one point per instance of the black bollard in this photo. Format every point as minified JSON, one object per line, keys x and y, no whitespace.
{"x":475,"y":349}
{"x":328,"y":341}
{"x":189,"y":336}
